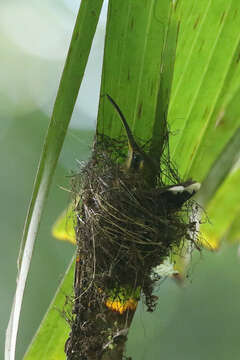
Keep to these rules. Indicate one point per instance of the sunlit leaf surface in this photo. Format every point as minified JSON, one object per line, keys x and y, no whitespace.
{"x":204,"y":111}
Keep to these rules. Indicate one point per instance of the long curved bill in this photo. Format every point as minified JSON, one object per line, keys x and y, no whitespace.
{"x":137,"y":158}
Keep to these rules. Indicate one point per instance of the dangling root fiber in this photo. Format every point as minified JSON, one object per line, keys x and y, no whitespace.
{"x":124,"y":230}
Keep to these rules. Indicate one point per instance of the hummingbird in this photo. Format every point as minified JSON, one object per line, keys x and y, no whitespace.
{"x":137,"y":158}
{"x":175,"y":195}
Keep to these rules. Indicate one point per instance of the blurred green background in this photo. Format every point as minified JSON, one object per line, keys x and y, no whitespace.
{"x":199,"y":321}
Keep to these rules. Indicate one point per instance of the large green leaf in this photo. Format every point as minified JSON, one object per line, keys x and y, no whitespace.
{"x":133,"y":60}
{"x":204,"y":113}
{"x":206,"y":81}
{"x":220,"y":195}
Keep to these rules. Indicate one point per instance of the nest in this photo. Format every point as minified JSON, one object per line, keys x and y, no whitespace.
{"x":124,"y":230}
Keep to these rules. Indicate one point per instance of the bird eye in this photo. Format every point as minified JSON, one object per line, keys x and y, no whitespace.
{"x":136,"y":161}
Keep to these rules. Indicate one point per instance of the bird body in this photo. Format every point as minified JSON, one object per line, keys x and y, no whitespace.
{"x":138,"y":160}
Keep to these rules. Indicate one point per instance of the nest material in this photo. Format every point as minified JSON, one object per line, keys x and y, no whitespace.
{"x":124,"y":230}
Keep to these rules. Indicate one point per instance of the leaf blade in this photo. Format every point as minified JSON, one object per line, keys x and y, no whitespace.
{"x":204,"y":81}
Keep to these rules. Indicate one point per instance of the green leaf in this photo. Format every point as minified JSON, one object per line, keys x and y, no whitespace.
{"x":52,"y":334}
{"x":223,"y":210}
{"x":66,"y":97}
{"x":133,"y":60}
{"x":206,"y":81}
{"x":220,"y":171}
{"x":204,"y":108}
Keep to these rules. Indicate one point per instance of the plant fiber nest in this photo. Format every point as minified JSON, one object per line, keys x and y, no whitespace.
{"x":124,"y":230}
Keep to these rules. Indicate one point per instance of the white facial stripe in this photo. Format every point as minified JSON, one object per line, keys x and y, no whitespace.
{"x":192,"y":188}
{"x":176,"y":189}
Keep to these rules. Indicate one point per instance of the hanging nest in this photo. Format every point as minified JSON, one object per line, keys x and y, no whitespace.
{"x":125,"y":229}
